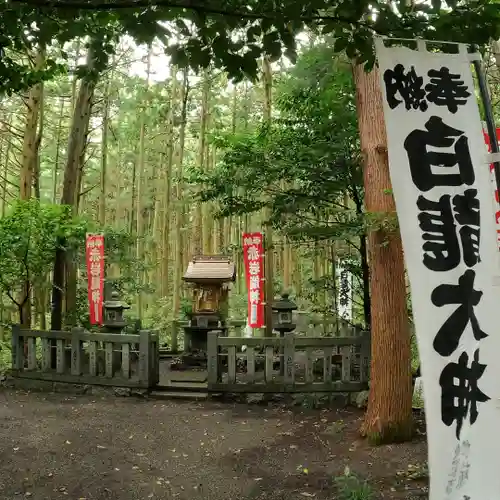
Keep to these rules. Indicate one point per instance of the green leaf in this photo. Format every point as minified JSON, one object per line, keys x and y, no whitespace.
{"x":340,"y":44}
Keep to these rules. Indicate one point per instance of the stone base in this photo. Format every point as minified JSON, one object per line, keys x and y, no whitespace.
{"x":309,"y":400}
{"x":26,"y":384}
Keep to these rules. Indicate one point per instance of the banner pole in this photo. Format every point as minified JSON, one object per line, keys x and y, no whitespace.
{"x":488,"y":112}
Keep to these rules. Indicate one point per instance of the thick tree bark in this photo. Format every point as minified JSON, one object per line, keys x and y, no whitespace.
{"x":389,"y":414}
{"x":63,"y":265}
{"x":28,"y":169}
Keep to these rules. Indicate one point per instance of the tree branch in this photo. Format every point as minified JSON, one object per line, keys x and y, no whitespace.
{"x":201,"y":8}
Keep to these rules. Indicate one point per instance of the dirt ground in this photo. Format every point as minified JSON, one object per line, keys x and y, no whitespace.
{"x":55,"y":446}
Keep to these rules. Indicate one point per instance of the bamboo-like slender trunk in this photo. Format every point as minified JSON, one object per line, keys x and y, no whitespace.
{"x":267,"y":79}
{"x":140,"y":189}
{"x":180,"y":240}
{"x":104,"y":153}
{"x":199,"y":234}
{"x":167,"y":186}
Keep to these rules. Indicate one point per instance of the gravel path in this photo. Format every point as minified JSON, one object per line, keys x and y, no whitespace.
{"x":53,"y":446}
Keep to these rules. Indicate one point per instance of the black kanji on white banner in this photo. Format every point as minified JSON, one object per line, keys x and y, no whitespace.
{"x":439,"y":157}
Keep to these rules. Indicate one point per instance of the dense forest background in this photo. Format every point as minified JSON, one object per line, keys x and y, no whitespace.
{"x":170,"y":164}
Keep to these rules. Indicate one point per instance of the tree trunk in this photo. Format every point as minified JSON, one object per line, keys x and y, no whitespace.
{"x":167,"y":199}
{"x":38,"y":142}
{"x":199,"y":236}
{"x":140,"y":188}
{"x":104,"y":154}
{"x":180,"y":239}
{"x":55,"y":172}
{"x":495,"y":46}
{"x":76,"y":148}
{"x":267,"y":79}
{"x":29,"y":162}
{"x":33,"y":102}
{"x":389,"y":415}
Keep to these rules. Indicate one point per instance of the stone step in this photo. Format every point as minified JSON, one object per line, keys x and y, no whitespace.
{"x":176,"y":394}
{"x":190,"y":385}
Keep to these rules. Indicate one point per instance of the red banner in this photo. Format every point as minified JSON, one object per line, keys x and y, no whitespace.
{"x":95,"y":276}
{"x":492,"y":168}
{"x":253,"y":255}
{"x":487,"y":141}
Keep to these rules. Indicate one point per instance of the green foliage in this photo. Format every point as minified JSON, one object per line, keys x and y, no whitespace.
{"x":351,"y":487}
{"x":300,"y":167}
{"x":233,"y":35}
{"x":5,"y":357}
{"x":29,"y":236}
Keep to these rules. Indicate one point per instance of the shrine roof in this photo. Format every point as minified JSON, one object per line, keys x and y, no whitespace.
{"x":211,"y":268}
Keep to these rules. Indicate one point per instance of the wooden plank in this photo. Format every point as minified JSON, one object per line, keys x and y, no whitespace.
{"x":93,"y":359}
{"x":83,"y":336}
{"x":250,"y":352}
{"x":108,"y":358}
{"x":82,"y":379}
{"x":17,"y":350}
{"x":31,"y":341}
{"x":110,"y":337}
{"x":212,"y":357}
{"x":60,"y":356}
{"x":327,"y":364}
{"x":268,"y":373}
{"x":321,"y":342}
{"x":46,"y":350}
{"x":76,"y":353}
{"x":309,"y":365}
{"x":252,"y":342}
{"x":283,"y":388}
{"x":346,"y":363}
{"x":126,"y":361}
{"x":144,"y":357}
{"x":231,"y":364}
{"x":289,"y":358}
{"x":53,"y":334}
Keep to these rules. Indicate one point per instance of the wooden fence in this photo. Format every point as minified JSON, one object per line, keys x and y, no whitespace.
{"x":312,"y":326}
{"x":292,"y":363}
{"x":81,"y":357}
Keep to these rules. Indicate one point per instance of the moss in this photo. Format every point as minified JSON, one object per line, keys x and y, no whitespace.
{"x":392,"y":433}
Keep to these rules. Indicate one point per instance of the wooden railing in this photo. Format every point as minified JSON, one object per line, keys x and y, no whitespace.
{"x":82,"y":357}
{"x":312,"y":327}
{"x":290,"y":364}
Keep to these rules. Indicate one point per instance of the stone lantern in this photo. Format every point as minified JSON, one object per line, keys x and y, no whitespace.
{"x":114,"y":321}
{"x":283,"y":309}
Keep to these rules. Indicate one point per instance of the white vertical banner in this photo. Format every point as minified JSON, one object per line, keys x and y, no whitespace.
{"x":441,"y":184}
{"x":344,"y":291}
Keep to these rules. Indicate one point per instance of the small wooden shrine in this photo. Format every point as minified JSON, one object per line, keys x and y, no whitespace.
{"x":211,"y":278}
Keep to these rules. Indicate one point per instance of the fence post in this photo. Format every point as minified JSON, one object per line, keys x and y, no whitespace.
{"x":76,"y":351}
{"x":17,"y":348}
{"x":154,"y":353}
{"x":144,"y":358}
{"x":289,"y":358}
{"x":212,"y":358}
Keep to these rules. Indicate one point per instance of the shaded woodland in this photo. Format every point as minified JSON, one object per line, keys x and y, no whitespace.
{"x":174,"y":130}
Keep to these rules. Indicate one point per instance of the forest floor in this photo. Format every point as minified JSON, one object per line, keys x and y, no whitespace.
{"x":81,"y":447}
